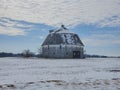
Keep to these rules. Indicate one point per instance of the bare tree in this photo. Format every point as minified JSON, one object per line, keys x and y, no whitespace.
{"x":27,"y":53}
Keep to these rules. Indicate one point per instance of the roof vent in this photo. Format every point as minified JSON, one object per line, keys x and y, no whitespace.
{"x":62,"y":26}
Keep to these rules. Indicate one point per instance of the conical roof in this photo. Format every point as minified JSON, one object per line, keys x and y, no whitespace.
{"x":62,"y":36}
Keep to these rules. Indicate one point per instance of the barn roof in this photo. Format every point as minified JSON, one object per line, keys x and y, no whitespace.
{"x":62,"y":36}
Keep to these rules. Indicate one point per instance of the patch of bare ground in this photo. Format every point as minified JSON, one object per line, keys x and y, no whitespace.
{"x":114,"y":70}
{"x":9,"y":86}
{"x":30,"y":83}
{"x":57,"y":82}
{"x":115,"y":82}
{"x":95,"y":83}
{"x":49,"y":81}
{"x":26,"y":85}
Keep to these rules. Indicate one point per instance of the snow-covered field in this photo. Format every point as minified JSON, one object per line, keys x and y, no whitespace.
{"x":59,"y":74}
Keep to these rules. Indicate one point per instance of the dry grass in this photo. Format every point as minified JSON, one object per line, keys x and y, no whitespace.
{"x":61,"y":83}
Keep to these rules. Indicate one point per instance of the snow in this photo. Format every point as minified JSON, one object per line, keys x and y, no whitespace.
{"x":60,"y":74}
{"x":70,"y":39}
{"x":62,"y":30}
{"x":65,"y":31}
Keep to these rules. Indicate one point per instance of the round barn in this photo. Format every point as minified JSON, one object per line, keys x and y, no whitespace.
{"x":62,"y":43}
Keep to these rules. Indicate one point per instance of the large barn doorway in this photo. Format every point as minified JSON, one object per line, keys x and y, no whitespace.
{"x":76,"y":54}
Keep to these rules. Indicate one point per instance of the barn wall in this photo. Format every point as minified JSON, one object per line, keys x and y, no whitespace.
{"x":61,"y":51}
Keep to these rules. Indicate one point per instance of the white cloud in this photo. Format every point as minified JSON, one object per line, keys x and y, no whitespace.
{"x":13,"y":27}
{"x":102,"y":40}
{"x":13,"y":23}
{"x":68,"y":12}
{"x":11,"y":31}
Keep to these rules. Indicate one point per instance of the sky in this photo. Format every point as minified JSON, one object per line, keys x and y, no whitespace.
{"x":24,"y":24}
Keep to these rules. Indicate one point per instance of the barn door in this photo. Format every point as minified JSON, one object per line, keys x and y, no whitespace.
{"x":76,"y":54}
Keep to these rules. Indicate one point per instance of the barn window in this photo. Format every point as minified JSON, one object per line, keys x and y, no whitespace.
{"x":60,"y":46}
{"x":66,"y":53}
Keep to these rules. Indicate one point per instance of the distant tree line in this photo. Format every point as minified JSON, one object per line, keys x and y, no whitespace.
{"x":5,"y":54}
{"x":95,"y":56}
{"x":27,"y":53}
{"x":100,"y":56}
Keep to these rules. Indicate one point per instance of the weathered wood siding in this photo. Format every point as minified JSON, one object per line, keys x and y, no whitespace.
{"x":61,"y":51}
